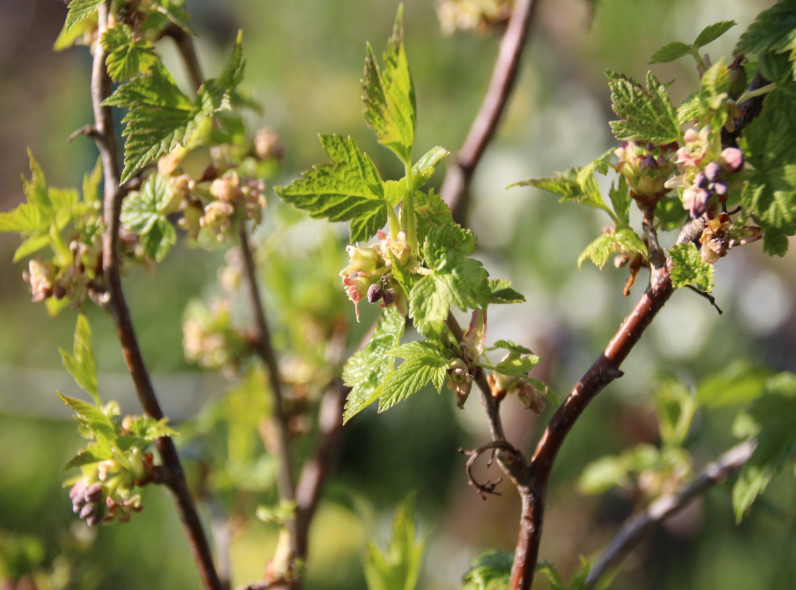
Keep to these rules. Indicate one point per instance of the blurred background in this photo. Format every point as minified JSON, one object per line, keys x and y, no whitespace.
{"x":304,"y":63}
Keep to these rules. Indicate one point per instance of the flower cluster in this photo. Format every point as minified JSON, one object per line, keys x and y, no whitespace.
{"x":646,"y":168}
{"x":71,"y":277}
{"x":704,"y":172}
{"x":209,"y":338}
{"x":109,"y":489}
{"x":369,"y":272}
{"x":501,"y":385}
{"x":472,"y":15}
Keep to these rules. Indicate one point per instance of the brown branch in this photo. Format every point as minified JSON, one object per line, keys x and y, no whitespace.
{"x":642,"y":524}
{"x":119,"y":311}
{"x":188,"y":53}
{"x":456,"y":186}
{"x":533,"y":489}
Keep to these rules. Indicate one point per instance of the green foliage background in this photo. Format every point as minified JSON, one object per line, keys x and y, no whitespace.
{"x":304,"y":62}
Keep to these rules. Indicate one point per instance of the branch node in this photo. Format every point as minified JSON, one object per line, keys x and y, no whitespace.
{"x":86,"y":130}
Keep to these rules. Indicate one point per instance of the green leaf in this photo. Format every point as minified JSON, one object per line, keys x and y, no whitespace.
{"x":128,"y":56}
{"x":91,"y":417}
{"x":390,"y":96}
{"x":423,"y":362}
{"x":454,"y":279}
{"x":145,"y":213}
{"x":603,"y":474}
{"x":348,"y":189}
{"x":689,"y":269}
{"x":366,"y":370}
{"x":620,"y":200}
{"x":623,"y":240}
{"x":80,"y":10}
{"x":503,"y":293}
{"x":160,"y":118}
{"x":645,"y":114}
{"x":772,"y":419}
{"x":769,"y":194}
{"x":713,"y":32}
{"x":424,"y":168}
{"x":489,"y":571}
{"x":670,"y":52}
{"x":577,"y":184}
{"x":91,"y":454}
{"x":675,"y":406}
{"x":430,"y":211}
{"x":738,"y":383}
{"x":772,"y":31}
{"x":80,"y":364}
{"x":398,"y":566}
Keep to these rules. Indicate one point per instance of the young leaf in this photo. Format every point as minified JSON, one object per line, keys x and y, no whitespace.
{"x":93,"y":418}
{"x":503,"y":293}
{"x":713,"y":32}
{"x":688,"y":268}
{"x":91,"y":454}
{"x":772,"y":419}
{"x":737,"y":383}
{"x":398,"y":567}
{"x":423,"y":362}
{"x":348,"y":189}
{"x":620,"y":200}
{"x":366,"y":370}
{"x":427,"y":164}
{"x":769,"y":194}
{"x":670,"y":52}
{"x":577,"y":184}
{"x":145,"y":213}
{"x":160,"y":118}
{"x":621,"y":240}
{"x":128,"y":56}
{"x":80,"y":10}
{"x":80,"y":364}
{"x":489,"y":571}
{"x":454,"y":279}
{"x":390,"y":96}
{"x":645,"y":114}
{"x":430,"y":211}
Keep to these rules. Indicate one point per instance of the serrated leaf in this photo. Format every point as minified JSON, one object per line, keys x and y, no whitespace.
{"x":145,"y":213}
{"x":160,"y":118}
{"x":713,"y":32}
{"x":430,"y":211}
{"x":670,"y":52}
{"x":91,"y":417}
{"x":425,"y":167}
{"x":772,"y":31}
{"x":348,"y":189}
{"x":503,"y":293}
{"x":689,"y":269}
{"x":91,"y":454}
{"x":489,"y":571}
{"x":80,"y":10}
{"x":366,"y":370}
{"x":423,"y":362}
{"x":80,"y":364}
{"x":773,"y":419}
{"x":454,"y":279}
{"x":390,"y":97}
{"x":398,"y":566}
{"x":769,"y":194}
{"x":577,"y":184}
{"x":128,"y":56}
{"x":511,"y":347}
{"x":623,"y":240}
{"x":645,"y":114}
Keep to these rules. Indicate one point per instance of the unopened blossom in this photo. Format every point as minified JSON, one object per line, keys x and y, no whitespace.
{"x":227,"y":188}
{"x":217,"y":218}
{"x":41,"y":276}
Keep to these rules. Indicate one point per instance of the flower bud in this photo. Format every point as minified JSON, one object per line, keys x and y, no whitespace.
{"x":732,"y":160}
{"x":712,"y":171}
{"x":375,"y":292}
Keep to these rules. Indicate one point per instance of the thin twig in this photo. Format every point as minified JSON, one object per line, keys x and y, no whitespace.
{"x":642,"y":524}
{"x":117,"y":306}
{"x":264,"y":349}
{"x":188,"y":53}
{"x":600,"y":374}
{"x":456,"y":186}
{"x":487,"y":487}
